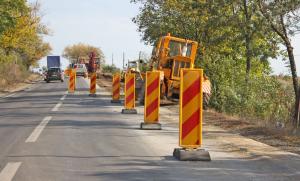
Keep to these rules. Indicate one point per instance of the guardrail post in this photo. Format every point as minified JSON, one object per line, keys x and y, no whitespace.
{"x":152,"y":102}
{"x":93,"y":84}
{"x":116,"y":86}
{"x":190,"y":124}
{"x":129,"y":102}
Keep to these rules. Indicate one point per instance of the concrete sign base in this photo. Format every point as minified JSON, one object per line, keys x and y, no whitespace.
{"x":191,"y":154}
{"x":149,"y":126}
{"x":129,"y":111}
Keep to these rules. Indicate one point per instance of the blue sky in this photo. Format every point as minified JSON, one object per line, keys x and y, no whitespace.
{"x":106,"y":24}
{"x":102,"y":23}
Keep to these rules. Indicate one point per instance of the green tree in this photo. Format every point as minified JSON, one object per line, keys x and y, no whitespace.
{"x":249,"y":25}
{"x":21,"y":39}
{"x":82,"y":51}
{"x":283,"y":18}
{"x":24,"y":39}
{"x":234,"y":44}
{"x":10,"y":11}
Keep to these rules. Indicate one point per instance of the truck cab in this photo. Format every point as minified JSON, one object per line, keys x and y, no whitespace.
{"x":54,"y":73}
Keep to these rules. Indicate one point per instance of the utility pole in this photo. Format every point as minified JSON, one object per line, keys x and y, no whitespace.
{"x":140,"y":55}
{"x":123,"y":60}
{"x":112,"y":60}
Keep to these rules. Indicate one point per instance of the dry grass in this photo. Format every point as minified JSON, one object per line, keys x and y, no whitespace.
{"x":283,"y":138}
{"x":11,"y":74}
{"x":105,"y":80}
{"x":13,"y":78}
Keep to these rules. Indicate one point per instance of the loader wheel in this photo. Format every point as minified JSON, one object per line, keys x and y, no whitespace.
{"x":162,"y":91}
{"x":206,"y":98}
{"x":142,"y":95}
{"x":175,"y":96}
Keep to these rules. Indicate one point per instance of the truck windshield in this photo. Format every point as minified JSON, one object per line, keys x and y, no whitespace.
{"x":179,"y":49}
{"x":132,"y":64}
{"x":54,"y":70}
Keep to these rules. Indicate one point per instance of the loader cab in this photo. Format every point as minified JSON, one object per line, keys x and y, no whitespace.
{"x":133,"y":66}
{"x":173,"y":54}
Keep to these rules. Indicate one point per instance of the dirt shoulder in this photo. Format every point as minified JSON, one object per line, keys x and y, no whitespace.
{"x":32,"y":78}
{"x":279,"y":138}
{"x":276,"y":137}
{"x":105,"y":80}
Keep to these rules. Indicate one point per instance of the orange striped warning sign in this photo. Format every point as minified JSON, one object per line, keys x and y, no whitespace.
{"x":129,"y":91}
{"x":116,"y":87}
{"x":93,"y":84}
{"x":191,"y":108}
{"x":72,"y":80}
{"x":152,"y":98}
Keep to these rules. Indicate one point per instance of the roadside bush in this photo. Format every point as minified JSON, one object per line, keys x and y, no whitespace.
{"x":263,"y":97}
{"x":11,"y":73}
{"x":110,"y":69}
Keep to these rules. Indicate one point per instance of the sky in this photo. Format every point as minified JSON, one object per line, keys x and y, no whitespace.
{"x":107,"y":24}
{"x":102,"y":23}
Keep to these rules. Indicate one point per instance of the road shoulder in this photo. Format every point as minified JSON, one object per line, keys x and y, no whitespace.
{"x":248,"y":134}
{"x":19,"y":87}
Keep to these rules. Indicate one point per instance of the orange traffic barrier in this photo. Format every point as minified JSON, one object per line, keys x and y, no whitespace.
{"x":190,"y":125}
{"x":93,"y":83}
{"x":191,"y":108}
{"x":116,"y":86}
{"x":152,"y":101}
{"x":129,"y":102}
{"x":72,"y":80}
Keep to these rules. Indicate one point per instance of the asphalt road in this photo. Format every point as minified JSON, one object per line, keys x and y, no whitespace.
{"x":48,"y":134}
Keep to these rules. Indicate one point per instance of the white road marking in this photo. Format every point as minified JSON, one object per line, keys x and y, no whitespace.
{"x":57,"y":107}
{"x":63,"y":97}
{"x":10,"y":95}
{"x":9,"y":171}
{"x":88,"y":82}
{"x":38,"y":130}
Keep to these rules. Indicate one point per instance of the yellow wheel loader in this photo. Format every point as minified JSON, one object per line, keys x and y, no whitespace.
{"x":169,"y":56}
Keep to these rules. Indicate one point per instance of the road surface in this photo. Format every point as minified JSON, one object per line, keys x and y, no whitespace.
{"x":48,"y":134}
